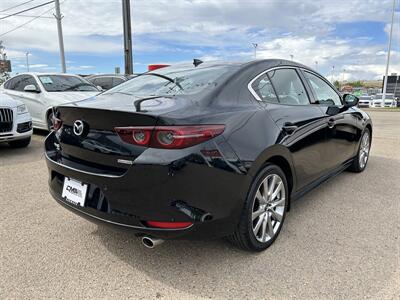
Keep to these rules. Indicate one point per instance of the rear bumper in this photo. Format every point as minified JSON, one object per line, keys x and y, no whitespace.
{"x":209,"y":197}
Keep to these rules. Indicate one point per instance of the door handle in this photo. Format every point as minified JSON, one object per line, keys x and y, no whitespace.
{"x":289,"y":128}
{"x":331,"y":123}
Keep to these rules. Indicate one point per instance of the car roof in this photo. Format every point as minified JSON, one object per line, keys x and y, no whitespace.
{"x":259,"y":64}
{"x":108,"y":75}
{"x":44,"y":74}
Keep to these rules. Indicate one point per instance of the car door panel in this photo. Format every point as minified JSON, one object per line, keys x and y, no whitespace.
{"x":341,"y":129}
{"x":302,"y":126}
{"x":306,"y":143}
{"x":342,"y":136}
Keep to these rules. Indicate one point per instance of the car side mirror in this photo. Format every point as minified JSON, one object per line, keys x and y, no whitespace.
{"x":332,"y":110}
{"x":350,"y":100}
{"x":30,"y":88}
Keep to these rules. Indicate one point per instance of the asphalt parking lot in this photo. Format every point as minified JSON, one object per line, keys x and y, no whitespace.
{"x":340,"y":241}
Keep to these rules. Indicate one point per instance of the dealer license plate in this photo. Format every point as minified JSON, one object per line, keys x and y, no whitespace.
{"x":74,"y":191}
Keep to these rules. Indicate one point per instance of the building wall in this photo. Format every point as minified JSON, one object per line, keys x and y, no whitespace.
{"x":393,"y":85}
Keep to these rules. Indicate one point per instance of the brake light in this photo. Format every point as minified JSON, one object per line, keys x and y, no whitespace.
{"x":170,"y":225}
{"x":169,"y":137}
{"x":135,"y":135}
{"x":56,"y":122}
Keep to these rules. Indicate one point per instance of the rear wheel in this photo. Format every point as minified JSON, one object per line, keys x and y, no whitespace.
{"x":20,"y":143}
{"x":264,"y":210}
{"x":361,"y":160}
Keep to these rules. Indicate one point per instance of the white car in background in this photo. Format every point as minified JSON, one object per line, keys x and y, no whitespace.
{"x":15,"y":122}
{"x":389,"y":101}
{"x":40,"y":92}
{"x":365,"y":101}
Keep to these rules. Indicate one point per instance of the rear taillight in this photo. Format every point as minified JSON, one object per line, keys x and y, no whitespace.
{"x":169,"y":137}
{"x":56,"y":122}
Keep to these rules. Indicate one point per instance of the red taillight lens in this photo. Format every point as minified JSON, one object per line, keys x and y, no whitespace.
{"x":135,"y":135}
{"x":56,"y":122}
{"x":170,"y":225}
{"x":169,"y":137}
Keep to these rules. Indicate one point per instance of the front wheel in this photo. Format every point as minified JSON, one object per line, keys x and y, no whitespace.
{"x":264,"y":210}
{"x":361,"y":160}
{"x":50,"y":121}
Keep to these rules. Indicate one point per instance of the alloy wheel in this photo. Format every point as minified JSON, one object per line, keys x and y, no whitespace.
{"x":364,"y":150}
{"x":268,"y":208}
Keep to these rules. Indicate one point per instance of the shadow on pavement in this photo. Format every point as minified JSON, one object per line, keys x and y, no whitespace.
{"x":336,"y":240}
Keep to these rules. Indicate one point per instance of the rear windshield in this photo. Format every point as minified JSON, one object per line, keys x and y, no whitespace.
{"x":65,"y":83}
{"x":183,"y":81}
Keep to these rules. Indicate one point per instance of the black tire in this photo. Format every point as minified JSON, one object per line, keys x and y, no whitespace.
{"x":244,"y":237}
{"x":356,"y":166}
{"x":49,"y":121}
{"x":20,"y":143}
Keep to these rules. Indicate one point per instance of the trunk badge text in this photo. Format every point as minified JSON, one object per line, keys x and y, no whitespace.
{"x":78,"y":127}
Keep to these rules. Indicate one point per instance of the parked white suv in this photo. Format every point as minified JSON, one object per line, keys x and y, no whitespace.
{"x":15,"y":122}
{"x":40,"y":92}
{"x":389,"y":101}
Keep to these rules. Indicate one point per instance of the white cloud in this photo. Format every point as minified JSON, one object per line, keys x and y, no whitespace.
{"x":226,"y":27}
{"x":38,"y":66}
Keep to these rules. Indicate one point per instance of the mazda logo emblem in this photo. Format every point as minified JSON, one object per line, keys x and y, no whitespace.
{"x":78,"y":127}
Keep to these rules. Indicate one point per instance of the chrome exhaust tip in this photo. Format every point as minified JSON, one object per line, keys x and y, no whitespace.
{"x":150,"y":242}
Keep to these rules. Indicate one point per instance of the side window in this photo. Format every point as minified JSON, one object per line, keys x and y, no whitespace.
{"x":104,"y":82}
{"x":324,"y":93}
{"x":263,"y":87}
{"x":18,"y":83}
{"x":289,"y":87}
{"x":93,"y":81}
{"x":23,"y":81}
{"x":10,"y":84}
{"x":117,"y":80}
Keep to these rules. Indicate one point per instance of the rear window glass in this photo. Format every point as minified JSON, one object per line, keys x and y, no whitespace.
{"x":173,"y":81}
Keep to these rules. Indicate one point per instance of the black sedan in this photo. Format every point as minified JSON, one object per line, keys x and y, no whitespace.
{"x":205,"y":150}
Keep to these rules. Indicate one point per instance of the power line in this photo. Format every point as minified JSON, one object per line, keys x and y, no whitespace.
{"x":25,"y":10}
{"x":18,"y":5}
{"x":27,"y":16}
{"x":26,"y":23}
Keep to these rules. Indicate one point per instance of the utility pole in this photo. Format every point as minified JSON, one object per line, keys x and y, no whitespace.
{"x":333,"y":70}
{"x":388,"y":58}
{"x":255,"y":45}
{"x":291,"y":57}
{"x":27,"y":61}
{"x":316,"y":65}
{"x":126,"y":17}
{"x":58,"y":17}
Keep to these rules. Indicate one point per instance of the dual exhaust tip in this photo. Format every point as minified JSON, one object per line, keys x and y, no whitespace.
{"x":151,"y":242}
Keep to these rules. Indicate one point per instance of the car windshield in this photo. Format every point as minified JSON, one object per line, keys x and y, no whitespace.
{"x":65,"y":83}
{"x":387,"y":97}
{"x":172,"y":81}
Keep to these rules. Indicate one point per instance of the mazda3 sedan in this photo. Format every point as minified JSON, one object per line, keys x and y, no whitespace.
{"x":205,"y":150}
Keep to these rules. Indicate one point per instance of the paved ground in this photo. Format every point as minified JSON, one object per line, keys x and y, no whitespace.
{"x":340,"y":241}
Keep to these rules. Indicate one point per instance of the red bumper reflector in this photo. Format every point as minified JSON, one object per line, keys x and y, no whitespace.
{"x":157,"y":224}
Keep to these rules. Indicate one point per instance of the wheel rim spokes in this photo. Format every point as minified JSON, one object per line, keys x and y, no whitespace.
{"x":268,"y":208}
{"x":364,"y":150}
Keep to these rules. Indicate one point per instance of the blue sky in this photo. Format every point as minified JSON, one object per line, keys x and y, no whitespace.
{"x":350,"y":35}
